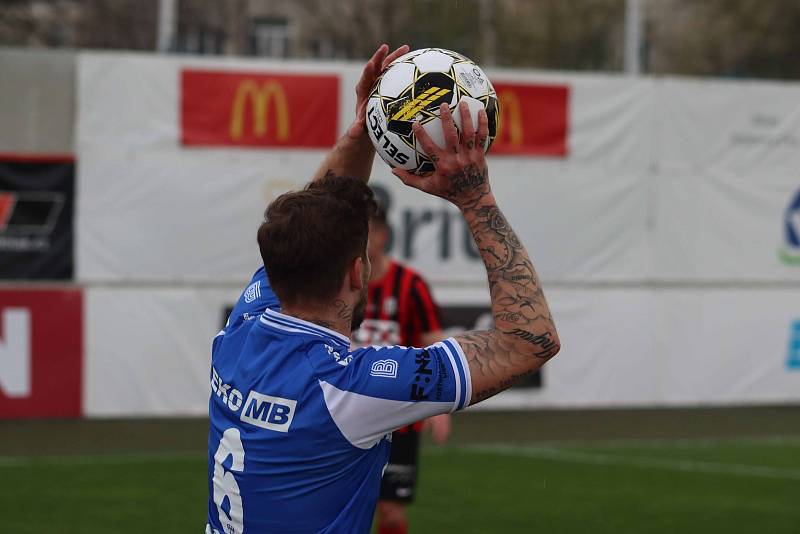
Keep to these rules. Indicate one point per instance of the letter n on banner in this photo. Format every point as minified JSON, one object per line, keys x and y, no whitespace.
{"x":41,"y":353}
{"x":534,"y":120}
{"x":258,"y":109}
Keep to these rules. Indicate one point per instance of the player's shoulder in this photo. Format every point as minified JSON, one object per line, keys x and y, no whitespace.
{"x":258,"y":288}
{"x":328,"y":357}
{"x":254,"y":299}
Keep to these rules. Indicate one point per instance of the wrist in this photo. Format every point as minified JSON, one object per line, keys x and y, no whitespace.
{"x":359,"y":144}
{"x":483,"y":200}
{"x":357,"y":133}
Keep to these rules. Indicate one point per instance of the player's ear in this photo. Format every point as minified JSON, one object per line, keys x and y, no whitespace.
{"x":358,"y":273}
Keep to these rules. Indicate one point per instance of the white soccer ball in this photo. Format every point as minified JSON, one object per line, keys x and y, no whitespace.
{"x":411,"y":89}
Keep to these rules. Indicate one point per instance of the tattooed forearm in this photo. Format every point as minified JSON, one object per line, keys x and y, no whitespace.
{"x":524,"y":336}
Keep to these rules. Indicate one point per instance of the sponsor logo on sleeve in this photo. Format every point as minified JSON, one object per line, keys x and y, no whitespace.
{"x":253,"y":292}
{"x":422,"y":376}
{"x":384,"y":368}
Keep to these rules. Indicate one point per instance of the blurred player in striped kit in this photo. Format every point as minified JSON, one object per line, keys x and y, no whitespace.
{"x":400,"y":311}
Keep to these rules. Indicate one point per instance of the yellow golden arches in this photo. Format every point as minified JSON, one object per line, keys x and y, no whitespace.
{"x":510,"y":121}
{"x":260,"y":97}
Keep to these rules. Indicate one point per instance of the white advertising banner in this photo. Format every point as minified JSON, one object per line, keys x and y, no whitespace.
{"x":159,"y":205}
{"x":663,"y":214}
{"x":727,"y":186}
{"x":148,"y":351}
{"x":669,"y":347}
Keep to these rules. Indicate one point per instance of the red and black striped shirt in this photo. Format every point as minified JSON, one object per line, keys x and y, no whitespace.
{"x":399,"y":311}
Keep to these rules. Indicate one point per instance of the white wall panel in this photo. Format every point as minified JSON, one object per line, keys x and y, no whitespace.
{"x":148,"y":351}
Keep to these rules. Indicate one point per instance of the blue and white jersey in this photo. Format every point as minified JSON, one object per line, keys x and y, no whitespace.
{"x":300,"y":424}
{"x":257,"y":297}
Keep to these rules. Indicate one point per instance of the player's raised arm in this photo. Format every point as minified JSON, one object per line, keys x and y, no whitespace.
{"x":353,"y":153}
{"x":524,"y":336}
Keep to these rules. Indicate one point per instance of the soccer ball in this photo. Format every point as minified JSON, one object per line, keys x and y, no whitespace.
{"x":411,"y":89}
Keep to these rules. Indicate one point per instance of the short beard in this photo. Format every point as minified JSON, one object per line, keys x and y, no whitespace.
{"x":359,"y":311}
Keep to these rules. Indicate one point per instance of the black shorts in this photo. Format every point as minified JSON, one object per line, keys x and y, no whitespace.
{"x":400,"y":478}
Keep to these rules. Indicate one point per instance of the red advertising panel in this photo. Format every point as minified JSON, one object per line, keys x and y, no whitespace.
{"x":41,"y":346}
{"x":258,"y":109}
{"x":534,"y":119}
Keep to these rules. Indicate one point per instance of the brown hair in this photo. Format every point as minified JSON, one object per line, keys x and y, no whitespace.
{"x":309,"y":237}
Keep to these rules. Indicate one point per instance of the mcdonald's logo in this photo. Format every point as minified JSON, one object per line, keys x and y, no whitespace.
{"x":533,"y":120}
{"x":263,"y":110}
{"x":510,"y":123}
{"x":260,"y":96}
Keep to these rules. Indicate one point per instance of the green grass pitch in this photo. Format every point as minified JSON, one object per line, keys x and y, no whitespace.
{"x":646,"y":471}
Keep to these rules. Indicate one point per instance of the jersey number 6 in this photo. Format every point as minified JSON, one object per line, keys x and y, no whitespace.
{"x":225,"y":484}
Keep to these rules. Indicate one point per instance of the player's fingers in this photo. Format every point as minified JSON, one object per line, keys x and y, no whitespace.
{"x":371,"y":69}
{"x":467,"y":130}
{"x":394,"y":55}
{"x":368,"y":76}
{"x":428,"y":145}
{"x":482,"y":135}
{"x":449,"y":128}
{"x":411,"y":180}
{"x":377,"y":58}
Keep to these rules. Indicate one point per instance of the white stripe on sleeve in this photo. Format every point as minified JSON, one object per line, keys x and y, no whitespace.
{"x":364,"y":420}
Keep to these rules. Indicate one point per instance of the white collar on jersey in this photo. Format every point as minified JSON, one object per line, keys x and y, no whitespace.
{"x":289,"y":323}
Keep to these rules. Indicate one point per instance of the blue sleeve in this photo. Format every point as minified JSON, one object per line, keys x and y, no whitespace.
{"x":432,"y":374}
{"x":381,"y":389}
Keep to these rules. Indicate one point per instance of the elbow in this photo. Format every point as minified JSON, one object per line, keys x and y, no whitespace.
{"x":538,"y":345}
{"x":556,"y":344}
{"x":551,"y":347}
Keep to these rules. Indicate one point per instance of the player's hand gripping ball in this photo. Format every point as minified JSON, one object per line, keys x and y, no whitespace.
{"x":411,"y":89}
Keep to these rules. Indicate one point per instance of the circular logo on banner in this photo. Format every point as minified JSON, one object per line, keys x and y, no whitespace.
{"x":790,"y":252}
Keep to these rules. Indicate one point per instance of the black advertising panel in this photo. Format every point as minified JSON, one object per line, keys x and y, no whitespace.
{"x":36,"y":218}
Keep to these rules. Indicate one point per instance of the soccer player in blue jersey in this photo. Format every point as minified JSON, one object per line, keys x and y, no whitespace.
{"x":300,"y":423}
